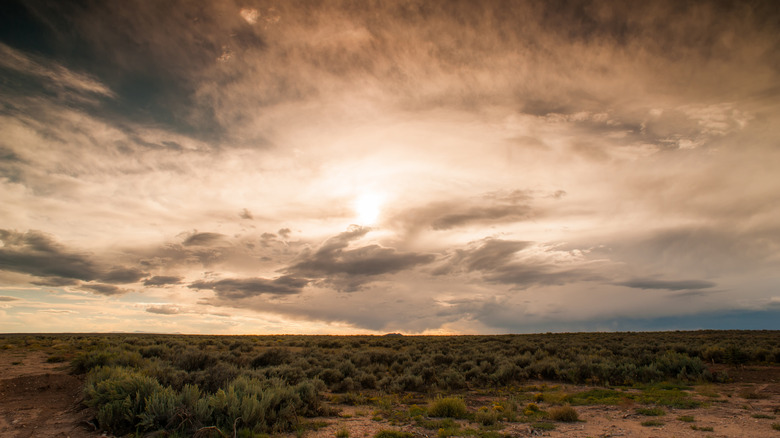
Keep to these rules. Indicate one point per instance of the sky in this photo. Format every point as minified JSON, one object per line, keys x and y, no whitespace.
{"x":365,"y":167}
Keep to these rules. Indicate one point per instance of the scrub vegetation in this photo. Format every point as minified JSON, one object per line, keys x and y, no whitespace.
{"x":253,"y":385}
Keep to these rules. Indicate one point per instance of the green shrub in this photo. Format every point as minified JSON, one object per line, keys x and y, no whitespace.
{"x":686,"y":418}
{"x":160,"y":409}
{"x":120,"y":395}
{"x":651,"y":412}
{"x":342,"y":433}
{"x":55,"y":358}
{"x":450,"y":407}
{"x":389,"y":433}
{"x":271,"y":357}
{"x":763,"y":416}
{"x":566,"y":414}
{"x":452,"y":379}
{"x":194,"y":360}
{"x":776,"y":426}
{"x":543,"y":426}
{"x":702,"y":428}
{"x":486,"y":416}
{"x":88,"y":360}
{"x":650,"y":423}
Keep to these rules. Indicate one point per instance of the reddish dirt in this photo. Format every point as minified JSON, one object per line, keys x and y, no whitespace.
{"x":39,"y":399}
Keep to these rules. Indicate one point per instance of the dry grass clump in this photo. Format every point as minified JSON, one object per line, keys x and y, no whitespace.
{"x":565,"y":414}
{"x":448,"y":407}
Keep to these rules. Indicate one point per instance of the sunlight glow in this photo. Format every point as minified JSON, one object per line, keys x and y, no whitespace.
{"x":368,"y":207}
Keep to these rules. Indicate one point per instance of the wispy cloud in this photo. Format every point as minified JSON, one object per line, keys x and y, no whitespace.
{"x":554,"y":163}
{"x":646,"y":283}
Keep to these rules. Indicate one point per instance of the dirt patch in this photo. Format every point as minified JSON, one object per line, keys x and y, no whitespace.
{"x":39,"y":399}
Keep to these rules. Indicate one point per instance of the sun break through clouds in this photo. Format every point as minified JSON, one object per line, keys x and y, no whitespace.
{"x":406,"y":166}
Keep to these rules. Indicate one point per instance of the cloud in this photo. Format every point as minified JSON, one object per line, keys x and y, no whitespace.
{"x":350,"y":268}
{"x":703,"y":251}
{"x":164,"y":309}
{"x":40,"y":255}
{"x":489,"y":208}
{"x":203,"y":239}
{"x":162,"y":280}
{"x":519,"y":263}
{"x":489,"y":254}
{"x":237,"y":288}
{"x":103,"y":289}
{"x":644,"y":283}
{"x":126,"y":121}
{"x":55,"y":282}
{"x":37,"y":254}
{"x":523,"y":276}
{"x":3,"y":298}
{"x":123,"y":275}
{"x":481,"y":215}
{"x":55,"y":76}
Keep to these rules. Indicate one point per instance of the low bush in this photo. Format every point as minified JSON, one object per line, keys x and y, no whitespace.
{"x":449,"y":407}
{"x":486,"y":416}
{"x":702,"y":428}
{"x":389,"y":433}
{"x":651,"y":412}
{"x":565,"y":414}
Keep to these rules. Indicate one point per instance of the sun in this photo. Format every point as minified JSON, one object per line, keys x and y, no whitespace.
{"x":368,"y":207}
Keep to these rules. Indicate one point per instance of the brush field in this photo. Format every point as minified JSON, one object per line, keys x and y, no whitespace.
{"x":703,"y":383}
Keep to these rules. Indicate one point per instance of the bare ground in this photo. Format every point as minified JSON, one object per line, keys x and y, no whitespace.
{"x":39,"y":399}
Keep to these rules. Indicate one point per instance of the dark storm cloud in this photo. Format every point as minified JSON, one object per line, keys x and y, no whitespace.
{"x":350,"y":268}
{"x":183,"y":63}
{"x":202,"y":239}
{"x":164,"y":309}
{"x":151,"y":54}
{"x":103,"y":289}
{"x":6,"y":299}
{"x":236,"y":288}
{"x":489,"y":255}
{"x":643,"y":283}
{"x":162,"y":280}
{"x":38,"y":254}
{"x":504,"y":262}
{"x":123,"y":275}
{"x":246,"y":214}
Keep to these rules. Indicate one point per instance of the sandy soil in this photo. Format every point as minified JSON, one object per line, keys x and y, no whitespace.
{"x":39,"y":399}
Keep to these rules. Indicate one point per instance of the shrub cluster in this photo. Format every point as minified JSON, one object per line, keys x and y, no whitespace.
{"x":264,"y":383}
{"x":127,"y":400}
